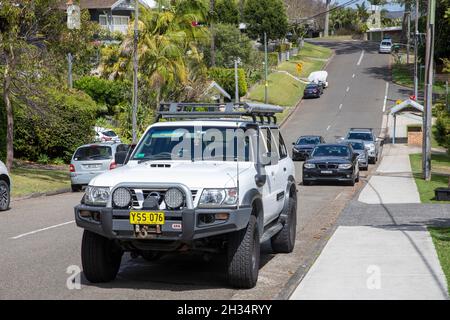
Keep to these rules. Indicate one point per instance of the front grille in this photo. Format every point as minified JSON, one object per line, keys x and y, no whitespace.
{"x":139,"y":195}
{"x":327,"y":166}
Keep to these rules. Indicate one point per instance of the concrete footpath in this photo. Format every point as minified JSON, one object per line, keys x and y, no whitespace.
{"x":381,"y":248}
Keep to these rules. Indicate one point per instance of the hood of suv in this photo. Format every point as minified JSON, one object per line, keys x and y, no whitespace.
{"x":200,"y":174}
{"x":328,"y":159}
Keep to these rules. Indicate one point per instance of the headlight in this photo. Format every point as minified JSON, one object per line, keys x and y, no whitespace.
{"x":174,"y":198}
{"x":309,"y":165}
{"x":121,"y":197}
{"x":217,"y":197}
{"x":345,"y":166}
{"x":97,"y":196}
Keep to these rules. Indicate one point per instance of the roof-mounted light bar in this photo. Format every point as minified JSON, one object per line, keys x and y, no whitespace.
{"x":265,"y":112}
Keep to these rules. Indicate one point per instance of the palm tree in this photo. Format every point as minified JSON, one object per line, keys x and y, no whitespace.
{"x":361,"y":12}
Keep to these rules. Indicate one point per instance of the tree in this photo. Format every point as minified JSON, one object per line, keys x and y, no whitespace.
{"x":32,"y":40}
{"x":266,"y":16}
{"x":227,"y":11}
{"x":361,"y":12}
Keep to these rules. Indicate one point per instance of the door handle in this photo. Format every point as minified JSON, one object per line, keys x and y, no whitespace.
{"x":284,"y":169}
{"x":273,"y":173}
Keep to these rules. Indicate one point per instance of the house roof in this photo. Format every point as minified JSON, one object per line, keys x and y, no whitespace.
{"x":101,"y":4}
{"x":399,"y":28}
{"x":405,"y":106}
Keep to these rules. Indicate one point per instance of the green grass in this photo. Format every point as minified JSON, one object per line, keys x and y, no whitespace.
{"x":282,"y":90}
{"x":31,"y":180}
{"x":440,"y":164}
{"x":403,"y":74}
{"x":441,"y":240}
{"x":311,"y":50}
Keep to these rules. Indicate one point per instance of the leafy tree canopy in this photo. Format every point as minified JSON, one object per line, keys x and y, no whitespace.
{"x":266,"y":16}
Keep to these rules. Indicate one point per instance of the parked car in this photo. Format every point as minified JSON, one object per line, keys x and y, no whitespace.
{"x":91,"y":160}
{"x":370,"y":141}
{"x":331,"y":162}
{"x":313,"y":90}
{"x":105,"y":135}
{"x":173,"y":196}
{"x":5,"y":187}
{"x":385,"y":46}
{"x":304,"y":145}
{"x":359,"y":147}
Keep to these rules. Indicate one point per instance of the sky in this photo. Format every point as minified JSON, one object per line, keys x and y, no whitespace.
{"x":390,"y":6}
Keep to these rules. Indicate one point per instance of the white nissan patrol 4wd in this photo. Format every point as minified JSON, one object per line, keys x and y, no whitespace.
{"x":215,"y":178}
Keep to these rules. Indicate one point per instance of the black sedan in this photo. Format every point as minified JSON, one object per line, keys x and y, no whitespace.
{"x":313,"y":90}
{"x":304,"y":146}
{"x":331,"y":162}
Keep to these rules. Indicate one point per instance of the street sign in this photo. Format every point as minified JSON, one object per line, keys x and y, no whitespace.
{"x":73,"y":17}
{"x":299,"y":67}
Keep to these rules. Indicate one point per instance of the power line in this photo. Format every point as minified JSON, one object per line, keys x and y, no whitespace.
{"x":350,"y":2}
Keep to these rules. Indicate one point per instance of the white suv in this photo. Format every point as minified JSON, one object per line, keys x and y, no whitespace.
{"x":5,"y":187}
{"x":214,"y":182}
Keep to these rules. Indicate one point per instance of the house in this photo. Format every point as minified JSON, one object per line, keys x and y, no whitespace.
{"x":113,"y":15}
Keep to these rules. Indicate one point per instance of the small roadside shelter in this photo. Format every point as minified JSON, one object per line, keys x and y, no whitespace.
{"x":408,"y":105}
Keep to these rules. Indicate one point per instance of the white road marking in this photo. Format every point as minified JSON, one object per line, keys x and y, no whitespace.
{"x":338,"y":196}
{"x":348,"y":88}
{"x":385,"y":96}
{"x":43,"y":229}
{"x":353,"y":75}
{"x":340,"y":106}
{"x":328,"y":128}
{"x":360,"y":58}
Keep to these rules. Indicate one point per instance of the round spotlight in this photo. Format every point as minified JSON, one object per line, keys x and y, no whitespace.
{"x":121,"y":197}
{"x":174,"y":198}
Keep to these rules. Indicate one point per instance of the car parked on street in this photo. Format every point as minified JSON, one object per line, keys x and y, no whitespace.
{"x":331,"y":162}
{"x":5,"y":187}
{"x":385,"y":46}
{"x":371,"y":142}
{"x":106,"y":135}
{"x":313,"y":90}
{"x":91,"y":160}
{"x":304,"y":145}
{"x":359,"y":147}
{"x":175,"y":195}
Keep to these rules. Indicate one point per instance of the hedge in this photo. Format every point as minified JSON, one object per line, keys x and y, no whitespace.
{"x":442,"y":133}
{"x":225,"y":78}
{"x":63,"y":122}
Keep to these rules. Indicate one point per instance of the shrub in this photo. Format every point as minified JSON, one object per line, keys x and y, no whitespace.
{"x":54,"y":127}
{"x":442,"y":132}
{"x":225,"y":78}
{"x":104,"y":92}
{"x":43,"y":159}
{"x":273,"y":59}
{"x":58,"y":161}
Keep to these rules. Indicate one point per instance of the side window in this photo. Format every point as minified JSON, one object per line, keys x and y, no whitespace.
{"x":272,"y":141}
{"x":281,"y":147}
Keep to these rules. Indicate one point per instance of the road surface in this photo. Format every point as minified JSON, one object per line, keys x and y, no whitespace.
{"x":39,"y":241}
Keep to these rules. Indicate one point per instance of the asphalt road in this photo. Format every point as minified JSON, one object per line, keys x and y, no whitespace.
{"x":39,"y":241}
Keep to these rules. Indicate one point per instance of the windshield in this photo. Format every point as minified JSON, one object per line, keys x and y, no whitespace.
{"x":385,"y":43}
{"x":308,"y":140}
{"x":109,"y":133}
{"x":331,"y":151}
{"x":193,"y":143}
{"x":360,"y":136}
{"x":357,"y":145}
{"x":93,"y":152}
{"x":311,"y":86}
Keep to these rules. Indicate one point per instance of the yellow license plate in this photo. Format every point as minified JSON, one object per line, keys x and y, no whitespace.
{"x":146,"y":217}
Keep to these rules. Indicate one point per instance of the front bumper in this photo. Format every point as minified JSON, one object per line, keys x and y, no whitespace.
{"x":182,"y":225}
{"x":335,"y":175}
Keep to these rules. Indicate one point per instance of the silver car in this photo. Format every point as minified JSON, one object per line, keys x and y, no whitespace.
{"x":5,"y":187}
{"x":385,"y":46}
{"x":359,"y":148}
{"x":91,"y":160}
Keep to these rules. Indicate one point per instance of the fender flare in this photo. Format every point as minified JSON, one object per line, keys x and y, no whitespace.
{"x":249,"y":199}
{"x":291,"y":183}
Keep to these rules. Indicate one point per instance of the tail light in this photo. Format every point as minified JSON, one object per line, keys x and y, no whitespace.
{"x":113,"y":165}
{"x":71,"y":168}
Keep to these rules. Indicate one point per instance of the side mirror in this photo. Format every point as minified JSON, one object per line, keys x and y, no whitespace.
{"x":269,"y":158}
{"x":120,"y":157}
{"x":131,"y":148}
{"x":293,"y":143}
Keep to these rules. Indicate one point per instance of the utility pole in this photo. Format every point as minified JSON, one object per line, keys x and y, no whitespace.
{"x":236,"y":81}
{"x":429,"y":53}
{"x":327,"y":18}
{"x":135,"y":71}
{"x":408,"y":36}
{"x":212,"y":5}
{"x":416,"y":43}
{"x":266,"y":98}
{"x":69,"y":78}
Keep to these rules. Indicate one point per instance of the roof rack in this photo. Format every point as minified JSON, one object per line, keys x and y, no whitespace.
{"x":365,"y":129}
{"x":264,"y":112}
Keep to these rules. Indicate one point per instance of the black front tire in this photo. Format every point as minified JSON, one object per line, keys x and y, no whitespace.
{"x":5,"y":195}
{"x":284,"y":241}
{"x":100,"y":257}
{"x":150,"y":255}
{"x":244,"y":255}
{"x":76,"y":188}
